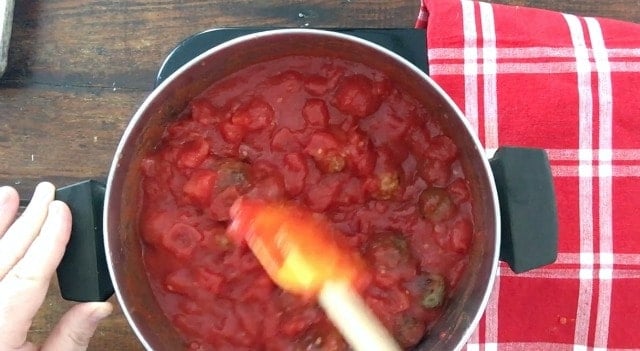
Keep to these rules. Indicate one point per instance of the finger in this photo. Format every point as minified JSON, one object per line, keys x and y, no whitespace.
{"x":24,"y":287}
{"x":47,"y":249}
{"x":77,"y":326}
{"x":21,"y":234}
{"x":9,"y":200}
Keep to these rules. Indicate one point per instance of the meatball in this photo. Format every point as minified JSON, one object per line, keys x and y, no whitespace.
{"x":219,"y":180}
{"x":386,"y":182}
{"x":387,"y":250}
{"x":232,"y":181}
{"x":327,"y":151}
{"x":428,"y":288}
{"x":436,"y":205}
{"x":434,"y":291}
{"x":232,"y":173}
{"x":408,"y":330}
{"x":331,"y":162}
{"x":388,"y":186}
{"x":324,"y":338}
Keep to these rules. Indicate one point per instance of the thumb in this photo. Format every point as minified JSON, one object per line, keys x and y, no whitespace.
{"x":76,"y":327}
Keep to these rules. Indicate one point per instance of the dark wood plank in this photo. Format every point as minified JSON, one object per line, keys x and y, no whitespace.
{"x":121,"y":43}
{"x":61,"y":135}
{"x":113,"y":334}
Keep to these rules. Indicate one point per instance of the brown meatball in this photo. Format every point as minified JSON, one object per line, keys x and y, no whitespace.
{"x":323,"y":338}
{"x":232,"y":173}
{"x":408,"y":330}
{"x":331,"y":162}
{"x":428,"y":288}
{"x":231,"y":182}
{"x":384,"y":186}
{"x":327,"y":151}
{"x":434,"y":291}
{"x":436,"y":205}
{"x":387,"y":250}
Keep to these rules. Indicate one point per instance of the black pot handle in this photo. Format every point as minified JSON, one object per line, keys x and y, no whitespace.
{"x":83,"y":274}
{"x":527,"y":206}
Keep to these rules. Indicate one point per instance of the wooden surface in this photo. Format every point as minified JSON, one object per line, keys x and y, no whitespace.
{"x":78,"y":70}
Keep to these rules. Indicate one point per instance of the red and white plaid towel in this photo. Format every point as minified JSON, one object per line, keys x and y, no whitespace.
{"x":570,"y":85}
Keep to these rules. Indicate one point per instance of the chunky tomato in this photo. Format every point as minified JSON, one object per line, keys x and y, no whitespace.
{"x":193,"y":152}
{"x":257,"y":114}
{"x":315,"y":112}
{"x":334,"y":136}
{"x":294,"y":171}
{"x":200,"y":186}
{"x":459,"y":190}
{"x":356,"y":96}
{"x":204,"y":112}
{"x":434,"y":171}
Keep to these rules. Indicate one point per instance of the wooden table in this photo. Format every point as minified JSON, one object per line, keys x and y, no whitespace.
{"x":78,"y":70}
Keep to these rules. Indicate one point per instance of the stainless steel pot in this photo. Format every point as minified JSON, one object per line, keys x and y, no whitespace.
{"x":523,"y":181}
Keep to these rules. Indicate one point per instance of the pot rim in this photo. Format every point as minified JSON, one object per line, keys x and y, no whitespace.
{"x":492,"y":191}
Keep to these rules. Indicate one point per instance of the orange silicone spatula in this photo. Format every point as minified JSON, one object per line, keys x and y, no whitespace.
{"x":299,"y":251}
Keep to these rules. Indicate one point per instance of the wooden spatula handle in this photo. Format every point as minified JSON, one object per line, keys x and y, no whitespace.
{"x":353,"y":318}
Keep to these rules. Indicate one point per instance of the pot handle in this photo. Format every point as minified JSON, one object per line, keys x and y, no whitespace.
{"x":527,"y":207}
{"x":83,"y":274}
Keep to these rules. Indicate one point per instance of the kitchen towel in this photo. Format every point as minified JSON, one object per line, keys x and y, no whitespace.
{"x":570,"y":85}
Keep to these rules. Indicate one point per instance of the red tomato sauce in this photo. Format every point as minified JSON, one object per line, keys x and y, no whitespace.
{"x":335,"y":136}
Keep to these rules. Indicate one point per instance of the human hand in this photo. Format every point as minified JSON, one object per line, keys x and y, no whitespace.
{"x":31,"y":248}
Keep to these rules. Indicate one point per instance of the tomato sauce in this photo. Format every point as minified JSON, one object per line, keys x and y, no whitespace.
{"x":336,"y":137}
